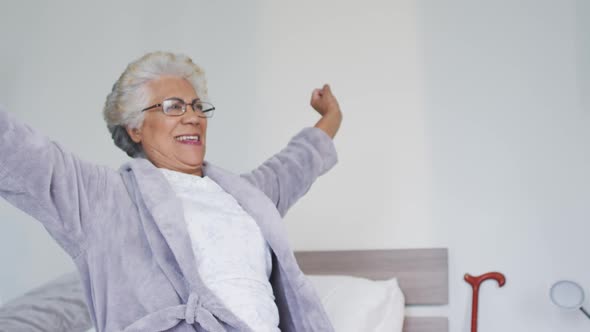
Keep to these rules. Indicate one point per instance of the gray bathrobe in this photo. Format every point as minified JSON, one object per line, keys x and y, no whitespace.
{"x":126,"y":233}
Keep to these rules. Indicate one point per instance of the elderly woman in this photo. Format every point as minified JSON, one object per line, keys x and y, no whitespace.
{"x":170,"y":242}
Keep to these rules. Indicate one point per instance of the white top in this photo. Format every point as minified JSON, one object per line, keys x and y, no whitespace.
{"x":233,"y":259}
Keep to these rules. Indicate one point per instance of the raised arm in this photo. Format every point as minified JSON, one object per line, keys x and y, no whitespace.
{"x":289,"y":174}
{"x":54,"y":187}
{"x":324,"y":102}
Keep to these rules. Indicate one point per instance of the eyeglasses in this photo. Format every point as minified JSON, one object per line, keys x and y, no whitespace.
{"x":177,"y":107}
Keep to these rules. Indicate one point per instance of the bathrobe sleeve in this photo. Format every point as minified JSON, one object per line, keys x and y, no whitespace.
{"x":289,"y":174}
{"x":48,"y":183}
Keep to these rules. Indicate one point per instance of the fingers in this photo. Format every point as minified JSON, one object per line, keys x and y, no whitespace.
{"x":326,"y":90}
{"x":319,"y":93}
{"x":315,"y":96}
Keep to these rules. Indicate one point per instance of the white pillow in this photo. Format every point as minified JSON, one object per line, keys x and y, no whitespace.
{"x":58,"y":305}
{"x":357,"y":304}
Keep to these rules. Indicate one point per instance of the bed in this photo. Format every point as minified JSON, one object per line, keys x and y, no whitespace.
{"x":420,"y":274}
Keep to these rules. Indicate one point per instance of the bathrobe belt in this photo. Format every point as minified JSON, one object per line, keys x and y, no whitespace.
{"x":194,"y":311}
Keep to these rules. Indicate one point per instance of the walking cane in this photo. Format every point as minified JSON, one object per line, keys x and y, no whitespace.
{"x":475,"y":282}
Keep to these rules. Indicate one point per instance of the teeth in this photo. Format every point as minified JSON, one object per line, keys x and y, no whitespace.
{"x":188,"y":138}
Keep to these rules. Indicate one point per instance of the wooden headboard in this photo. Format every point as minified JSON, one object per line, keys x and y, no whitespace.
{"x":422,"y":275}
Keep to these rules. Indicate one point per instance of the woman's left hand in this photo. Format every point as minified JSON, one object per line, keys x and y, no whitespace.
{"x":324,"y":102}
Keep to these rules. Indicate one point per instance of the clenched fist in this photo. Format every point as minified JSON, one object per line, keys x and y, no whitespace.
{"x":324,"y":102}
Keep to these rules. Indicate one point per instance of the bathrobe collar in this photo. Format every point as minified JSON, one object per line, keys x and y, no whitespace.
{"x":168,"y":237}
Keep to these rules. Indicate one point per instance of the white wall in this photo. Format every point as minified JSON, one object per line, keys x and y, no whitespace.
{"x":464,"y":125}
{"x":510,"y":157}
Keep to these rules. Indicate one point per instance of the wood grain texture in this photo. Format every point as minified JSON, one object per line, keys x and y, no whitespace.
{"x":426,"y":324}
{"x":421,"y":273}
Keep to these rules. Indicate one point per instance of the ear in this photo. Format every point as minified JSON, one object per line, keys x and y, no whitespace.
{"x":134,"y":133}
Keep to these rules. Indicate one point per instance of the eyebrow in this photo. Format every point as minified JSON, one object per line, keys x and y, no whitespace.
{"x":178,"y":98}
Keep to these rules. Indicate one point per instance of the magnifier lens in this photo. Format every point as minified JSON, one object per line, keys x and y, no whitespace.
{"x":567,"y":294}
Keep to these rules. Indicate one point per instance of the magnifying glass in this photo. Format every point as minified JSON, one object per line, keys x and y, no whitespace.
{"x":568,"y":295}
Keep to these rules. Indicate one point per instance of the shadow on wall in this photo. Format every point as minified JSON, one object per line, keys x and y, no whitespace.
{"x":507,"y":96}
{"x":582,"y":9}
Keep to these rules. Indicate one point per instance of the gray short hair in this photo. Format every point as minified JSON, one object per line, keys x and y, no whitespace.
{"x":129,"y":96}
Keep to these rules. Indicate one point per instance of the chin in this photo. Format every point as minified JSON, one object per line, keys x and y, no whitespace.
{"x":194,"y":164}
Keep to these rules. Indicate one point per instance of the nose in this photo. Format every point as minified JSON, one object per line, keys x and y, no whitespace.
{"x":190,"y":116}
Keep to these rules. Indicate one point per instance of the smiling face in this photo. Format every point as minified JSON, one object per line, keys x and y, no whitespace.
{"x":173,"y":142}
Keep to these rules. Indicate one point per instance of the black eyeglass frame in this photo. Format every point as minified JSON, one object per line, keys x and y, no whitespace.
{"x":207,"y":113}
